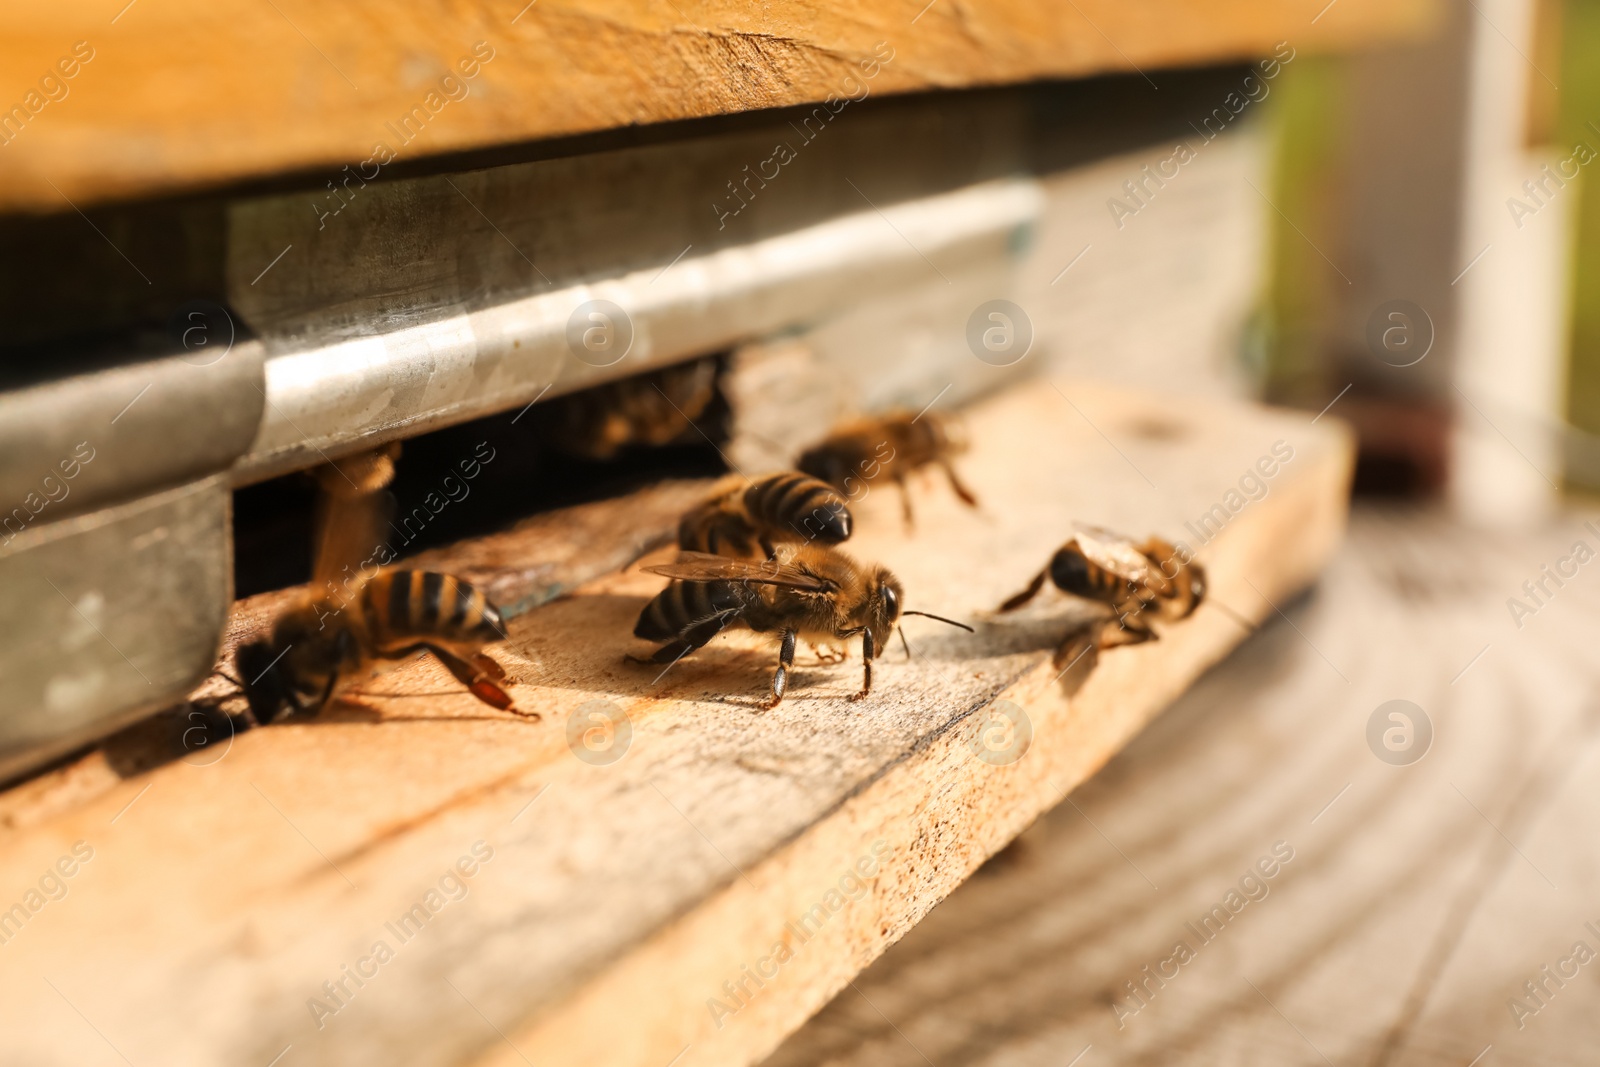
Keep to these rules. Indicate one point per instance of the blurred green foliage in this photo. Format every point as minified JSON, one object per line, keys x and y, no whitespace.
{"x":1307,"y":123}
{"x":1580,"y":106}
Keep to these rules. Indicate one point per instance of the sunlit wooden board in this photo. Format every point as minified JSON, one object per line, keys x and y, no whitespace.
{"x":177,"y":94}
{"x":620,"y":897}
{"x":1425,"y":888}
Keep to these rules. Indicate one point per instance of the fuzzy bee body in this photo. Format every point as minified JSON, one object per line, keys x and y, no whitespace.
{"x":822,"y":612}
{"x":890,"y":446}
{"x":805,"y":591}
{"x":692,"y":613}
{"x":1136,"y":581}
{"x":803,"y":507}
{"x":1184,"y":577}
{"x":400,"y":607}
{"x":651,"y":409}
{"x":788,"y":507}
{"x":720,"y":527}
{"x":328,"y":641}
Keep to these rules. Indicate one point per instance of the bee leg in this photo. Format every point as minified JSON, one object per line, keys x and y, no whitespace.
{"x":666,"y":653}
{"x":670,"y":652}
{"x":486,"y":663}
{"x":780,"y":680}
{"x":248,"y":717}
{"x":905,"y":502}
{"x":350,"y":699}
{"x":480,"y":683}
{"x":866,"y":665}
{"x":322,"y":701}
{"x":1078,"y":644}
{"x":1132,"y":629}
{"x":691,"y":637}
{"x":955,"y":484}
{"x":1027,"y":594}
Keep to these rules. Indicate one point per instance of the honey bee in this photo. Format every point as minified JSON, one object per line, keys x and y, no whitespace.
{"x":892,"y":445}
{"x":322,"y":646}
{"x":654,"y":408}
{"x":808,"y":591}
{"x":785,"y":507}
{"x":1136,"y":581}
{"x":340,"y":633}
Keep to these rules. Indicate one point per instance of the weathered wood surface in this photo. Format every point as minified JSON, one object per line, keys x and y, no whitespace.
{"x":181,"y":94}
{"x":224,"y":890}
{"x":1420,"y":898}
{"x":536,"y":561}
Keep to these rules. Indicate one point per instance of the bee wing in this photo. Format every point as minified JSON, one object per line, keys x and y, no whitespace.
{"x":353,"y":509}
{"x":1113,"y":552}
{"x":703,"y":567}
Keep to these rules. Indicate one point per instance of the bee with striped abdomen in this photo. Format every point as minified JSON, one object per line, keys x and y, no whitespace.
{"x":1136,"y":581}
{"x":347,"y":627}
{"x":893,"y":446}
{"x":324,"y":645}
{"x":655,"y":408}
{"x":806,"y":591}
{"x":788,"y":507}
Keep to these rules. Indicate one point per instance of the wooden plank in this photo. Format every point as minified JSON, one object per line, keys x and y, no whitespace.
{"x":181,"y":94}
{"x":1420,"y":898}
{"x":251,"y":880}
{"x":576,"y":545}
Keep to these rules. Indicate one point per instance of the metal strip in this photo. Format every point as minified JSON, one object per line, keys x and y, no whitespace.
{"x":354,"y":394}
{"x":109,"y":616}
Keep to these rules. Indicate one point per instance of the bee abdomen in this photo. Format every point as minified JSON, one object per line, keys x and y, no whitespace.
{"x":810,"y":508}
{"x":685,"y":607}
{"x":718,"y":530}
{"x":834,"y":461}
{"x":406,"y":605}
{"x":1072,"y":573}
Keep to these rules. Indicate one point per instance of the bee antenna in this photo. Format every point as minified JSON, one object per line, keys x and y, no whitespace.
{"x":901,"y":630}
{"x":1249,"y":627}
{"x":940,"y":618}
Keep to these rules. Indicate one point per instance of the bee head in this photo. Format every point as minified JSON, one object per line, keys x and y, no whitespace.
{"x":882,"y":608}
{"x":266,"y":683}
{"x":294,"y":669}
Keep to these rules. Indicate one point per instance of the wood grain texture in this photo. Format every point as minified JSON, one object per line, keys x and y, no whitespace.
{"x":536,"y":561}
{"x":620,"y":897}
{"x":182,"y":94}
{"x":1420,"y":899}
